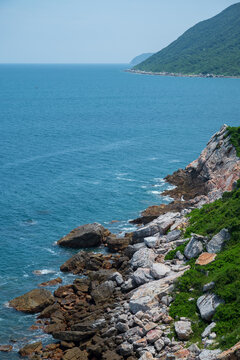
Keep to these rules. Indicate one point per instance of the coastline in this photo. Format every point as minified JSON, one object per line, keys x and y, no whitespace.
{"x":120,"y":308}
{"x":142,"y":72}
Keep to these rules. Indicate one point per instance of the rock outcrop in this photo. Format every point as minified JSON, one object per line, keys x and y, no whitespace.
{"x":33,"y":302}
{"x":85,"y":236}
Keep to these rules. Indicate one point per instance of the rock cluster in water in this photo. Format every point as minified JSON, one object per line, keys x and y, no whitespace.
{"x":118,"y":307}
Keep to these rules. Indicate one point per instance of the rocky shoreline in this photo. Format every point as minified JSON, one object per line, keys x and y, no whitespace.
{"x":118,"y":307}
{"x":142,"y":72}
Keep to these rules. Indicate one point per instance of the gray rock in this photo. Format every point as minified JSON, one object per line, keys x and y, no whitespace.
{"x":141,"y":304}
{"x":117,"y":277}
{"x":147,"y":356}
{"x":208,"y":286}
{"x":207,"y":305}
{"x":123,"y":318}
{"x":194,"y":349}
{"x":194,"y":247}
{"x":208,"y":330}
{"x":209,"y":354}
{"x":103,"y":291}
{"x":159,"y":345}
{"x":141,"y":276}
{"x":151,"y":241}
{"x":183,"y":329}
{"x":179,"y":255}
{"x":158,"y":270}
{"x":128,"y":285}
{"x":159,"y":225}
{"x":216,"y":244}
{"x":125,"y":349}
{"x":122,"y":327}
{"x":173,"y":235}
{"x":142,"y":258}
{"x":88,"y":235}
{"x":212,"y":336}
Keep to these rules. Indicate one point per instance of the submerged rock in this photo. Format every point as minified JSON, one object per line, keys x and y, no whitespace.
{"x":85,"y":236}
{"x":33,"y":301}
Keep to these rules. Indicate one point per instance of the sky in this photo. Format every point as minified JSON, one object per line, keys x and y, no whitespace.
{"x":95,"y":31}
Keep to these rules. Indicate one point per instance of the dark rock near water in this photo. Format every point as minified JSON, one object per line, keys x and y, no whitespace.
{"x":31,"y":348}
{"x":85,"y":236}
{"x":33,"y":302}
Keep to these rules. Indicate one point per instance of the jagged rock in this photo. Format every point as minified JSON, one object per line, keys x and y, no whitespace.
{"x":173,"y":235}
{"x":232,"y":354}
{"x":131,"y":249}
{"x":74,"y":336}
{"x":117,"y":277}
{"x":151,"y":241}
{"x":128,"y":285}
{"x":208,"y":329}
{"x":51,"y":282}
{"x":159,"y":225}
{"x":85,"y":236}
{"x":209,"y":354}
{"x":147,"y":356}
{"x":207,"y":305}
{"x":145,"y":296}
{"x":117,"y":244}
{"x":103,"y":291}
{"x":158,"y":271}
{"x":153,"y":335}
{"x":179,"y":255}
{"x":122,"y":327}
{"x":31,"y":348}
{"x":75,"y":354}
{"x":141,"y":276}
{"x":33,"y":301}
{"x":194,"y":349}
{"x":194,"y":247}
{"x":205,"y":258}
{"x":208,"y":286}
{"x":49,"y":310}
{"x":89,"y":325}
{"x":125,"y":349}
{"x":159,"y":345}
{"x":6,"y":348}
{"x":183,"y":329}
{"x":215,"y":245}
{"x":142,"y":258}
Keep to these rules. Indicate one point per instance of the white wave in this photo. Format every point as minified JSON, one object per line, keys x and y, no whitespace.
{"x":121,"y":173}
{"x":143,"y":186}
{"x":171,"y":187}
{"x":155,"y":192}
{"x":44,"y":272}
{"x":124,"y":179}
{"x":55,"y":243}
{"x":29,"y":222}
{"x":161,"y":180}
{"x":174,"y":161}
{"x":7,"y":305}
{"x":50,"y":251}
{"x":153,"y":158}
{"x":25,"y":275}
{"x":167,"y":198}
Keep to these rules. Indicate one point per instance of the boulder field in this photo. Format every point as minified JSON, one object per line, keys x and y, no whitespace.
{"x":118,"y":305}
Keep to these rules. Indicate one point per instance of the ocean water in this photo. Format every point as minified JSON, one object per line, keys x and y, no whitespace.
{"x":85,"y":143}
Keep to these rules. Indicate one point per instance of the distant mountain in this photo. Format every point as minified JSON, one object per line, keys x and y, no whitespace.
{"x":210,"y":47}
{"x":138,"y":59}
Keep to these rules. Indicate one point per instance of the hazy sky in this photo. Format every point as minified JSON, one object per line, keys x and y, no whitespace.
{"x":95,"y":31}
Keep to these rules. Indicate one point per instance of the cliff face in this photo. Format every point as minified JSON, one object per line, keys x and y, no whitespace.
{"x":218,"y":165}
{"x":203,"y":180}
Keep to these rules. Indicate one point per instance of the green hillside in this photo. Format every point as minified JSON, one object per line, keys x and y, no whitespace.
{"x":210,"y":47}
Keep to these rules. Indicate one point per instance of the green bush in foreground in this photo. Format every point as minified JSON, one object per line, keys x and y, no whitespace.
{"x":234,"y":133}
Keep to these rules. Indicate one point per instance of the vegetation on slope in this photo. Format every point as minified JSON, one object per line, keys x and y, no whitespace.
{"x":210,"y":47}
{"x":224,"y":271}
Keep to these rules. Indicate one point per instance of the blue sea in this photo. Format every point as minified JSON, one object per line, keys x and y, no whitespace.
{"x":86,"y":143}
